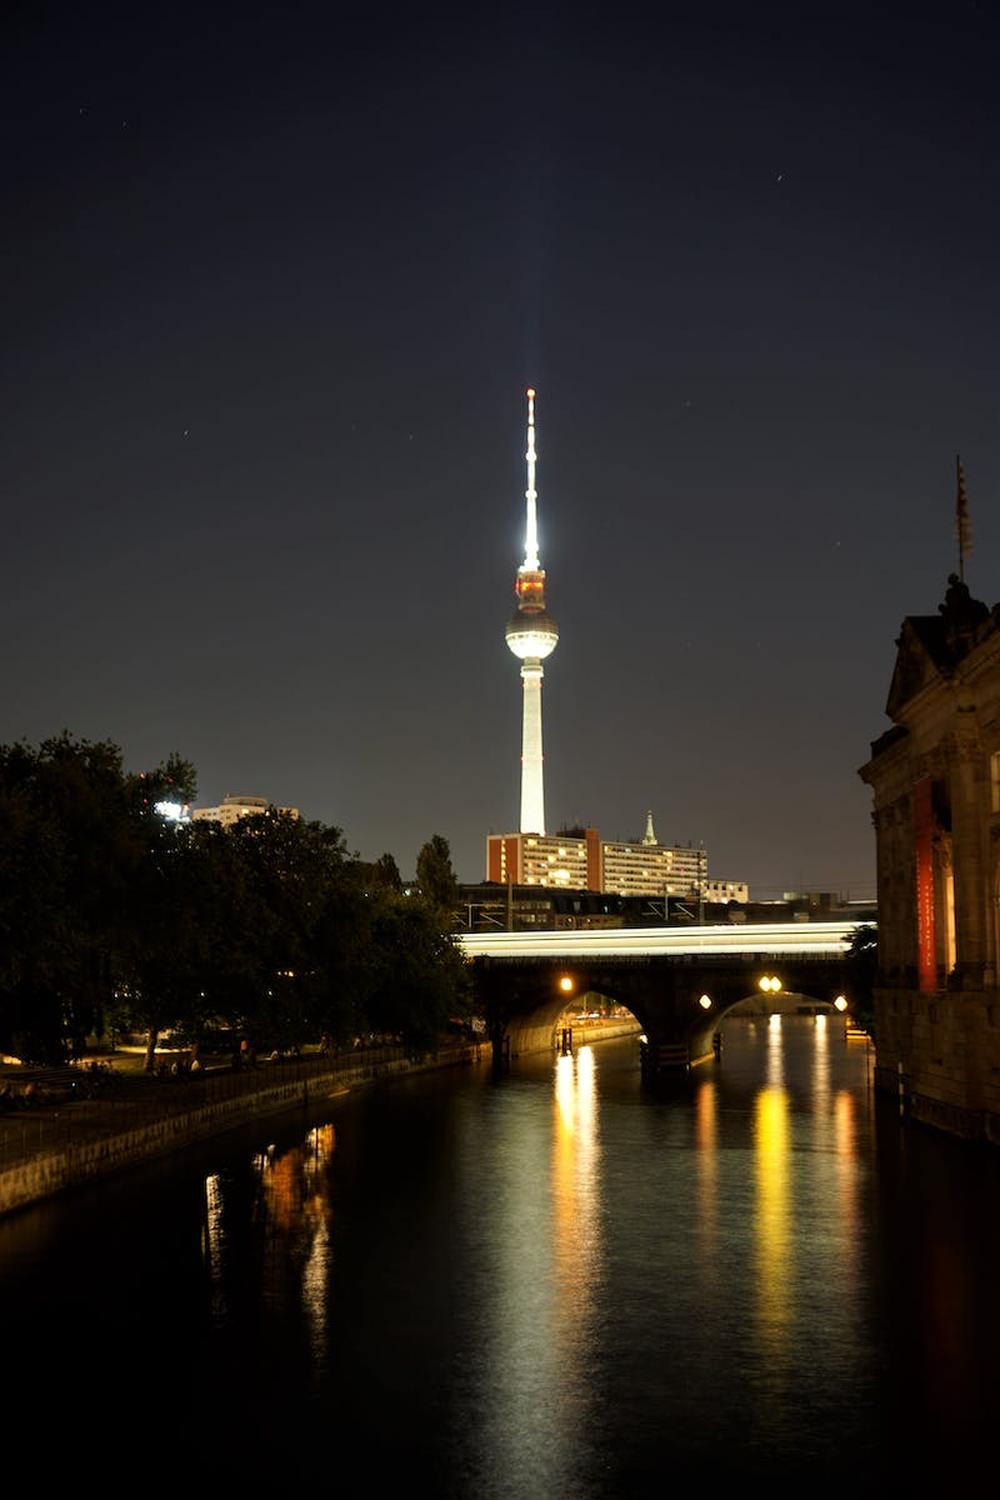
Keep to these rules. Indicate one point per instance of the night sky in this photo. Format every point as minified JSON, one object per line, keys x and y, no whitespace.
{"x":274,"y":280}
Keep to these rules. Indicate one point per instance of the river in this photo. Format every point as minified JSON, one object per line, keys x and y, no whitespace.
{"x":555,"y":1285}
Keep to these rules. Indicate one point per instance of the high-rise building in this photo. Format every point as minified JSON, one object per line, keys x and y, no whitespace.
{"x":578,"y":859}
{"x":532,"y":636}
{"x":234,"y":807}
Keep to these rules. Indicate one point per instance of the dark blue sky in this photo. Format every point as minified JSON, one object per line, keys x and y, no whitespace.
{"x":273,"y":286}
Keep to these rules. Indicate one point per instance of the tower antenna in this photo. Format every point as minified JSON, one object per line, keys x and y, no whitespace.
{"x":531,"y":493}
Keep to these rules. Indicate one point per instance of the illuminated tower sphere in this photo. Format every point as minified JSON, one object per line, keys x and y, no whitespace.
{"x":532,"y":636}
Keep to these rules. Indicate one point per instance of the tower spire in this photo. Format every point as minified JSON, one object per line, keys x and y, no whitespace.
{"x":649,"y":837}
{"x":531,"y":493}
{"x":531,"y":635}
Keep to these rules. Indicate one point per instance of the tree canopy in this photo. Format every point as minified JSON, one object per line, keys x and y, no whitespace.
{"x":436,"y":878}
{"x":112,"y":914}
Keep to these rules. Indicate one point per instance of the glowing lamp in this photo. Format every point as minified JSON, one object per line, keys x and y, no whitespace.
{"x":566,"y":985}
{"x":840,"y":1003}
{"x":705,"y":1002}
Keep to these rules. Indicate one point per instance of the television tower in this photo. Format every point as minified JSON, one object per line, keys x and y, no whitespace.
{"x":532,"y":636}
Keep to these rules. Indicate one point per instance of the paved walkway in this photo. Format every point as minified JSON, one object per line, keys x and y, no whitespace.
{"x":125,"y":1100}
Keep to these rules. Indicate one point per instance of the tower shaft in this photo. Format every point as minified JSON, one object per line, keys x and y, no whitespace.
{"x":532,"y":780}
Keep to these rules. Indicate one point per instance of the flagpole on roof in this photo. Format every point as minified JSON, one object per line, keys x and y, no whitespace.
{"x":963,"y":530}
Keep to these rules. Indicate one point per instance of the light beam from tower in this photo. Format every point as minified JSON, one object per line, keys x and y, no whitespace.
{"x":531,"y":635}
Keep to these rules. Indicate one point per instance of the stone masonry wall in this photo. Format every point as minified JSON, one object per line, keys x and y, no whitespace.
{"x":944,"y":1049}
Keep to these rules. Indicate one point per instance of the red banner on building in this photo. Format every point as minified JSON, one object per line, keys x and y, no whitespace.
{"x":923,"y":829}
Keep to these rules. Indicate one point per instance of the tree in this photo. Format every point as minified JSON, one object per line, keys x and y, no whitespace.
{"x":72,"y":845}
{"x":109,"y":909}
{"x":862,"y":969}
{"x":418,"y":977}
{"x":387,"y":873}
{"x":294,"y":895}
{"x":436,"y":879}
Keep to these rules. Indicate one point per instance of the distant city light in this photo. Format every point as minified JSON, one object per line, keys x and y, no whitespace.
{"x":174,"y":812}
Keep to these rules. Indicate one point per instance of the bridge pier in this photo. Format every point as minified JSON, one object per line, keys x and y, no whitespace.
{"x":659,"y":1060}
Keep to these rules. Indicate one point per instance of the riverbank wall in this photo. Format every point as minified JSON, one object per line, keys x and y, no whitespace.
{"x":50,"y":1171}
{"x":609,"y":1031}
{"x":939,"y":1055}
{"x":533,"y":1035}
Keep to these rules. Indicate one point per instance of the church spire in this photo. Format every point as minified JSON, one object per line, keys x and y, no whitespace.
{"x":649,"y":837}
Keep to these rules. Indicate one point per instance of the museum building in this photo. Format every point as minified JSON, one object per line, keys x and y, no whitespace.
{"x":936,"y":781}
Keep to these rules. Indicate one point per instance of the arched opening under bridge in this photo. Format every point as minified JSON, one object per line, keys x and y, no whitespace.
{"x":680,"y":1004}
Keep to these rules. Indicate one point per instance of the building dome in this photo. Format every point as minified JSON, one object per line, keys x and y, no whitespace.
{"x":532,"y":634}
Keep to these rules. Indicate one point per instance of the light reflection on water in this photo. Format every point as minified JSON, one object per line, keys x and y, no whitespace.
{"x":576,"y":1186}
{"x":706,"y":1127}
{"x":774,"y":1271}
{"x":554,"y":1285}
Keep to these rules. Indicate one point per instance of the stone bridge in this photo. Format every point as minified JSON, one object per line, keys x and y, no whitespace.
{"x":677,"y":982}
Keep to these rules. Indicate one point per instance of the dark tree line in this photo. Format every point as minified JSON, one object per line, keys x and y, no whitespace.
{"x":112,"y":916}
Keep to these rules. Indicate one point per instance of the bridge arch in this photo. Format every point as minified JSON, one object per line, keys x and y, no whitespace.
{"x":679,"y":985}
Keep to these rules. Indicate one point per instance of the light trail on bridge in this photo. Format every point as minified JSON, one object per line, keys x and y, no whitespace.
{"x":785,"y":939}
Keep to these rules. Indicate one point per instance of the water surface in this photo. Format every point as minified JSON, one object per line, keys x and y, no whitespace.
{"x":554,"y":1285}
